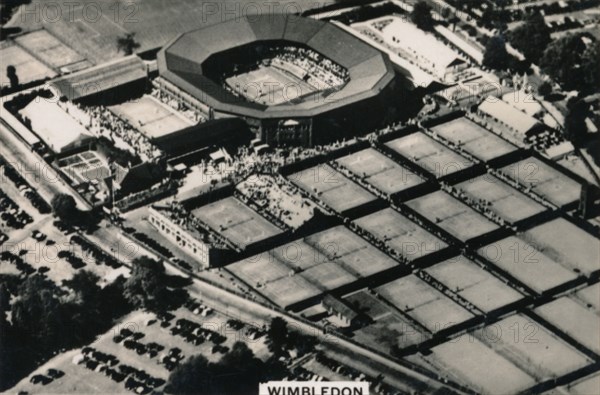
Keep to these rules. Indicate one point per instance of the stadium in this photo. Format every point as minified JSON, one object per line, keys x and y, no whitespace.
{"x":290,"y":78}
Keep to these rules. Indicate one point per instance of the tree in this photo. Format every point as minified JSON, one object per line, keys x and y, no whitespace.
{"x":545,"y":88}
{"x":532,"y":37}
{"x":65,"y":208}
{"x":146,"y":287}
{"x":590,"y":64}
{"x":421,"y":16}
{"x":237,"y":372}
{"x":191,"y":377}
{"x":37,"y":314}
{"x":11,"y":74}
{"x":575,"y":128}
{"x":561,"y":60}
{"x":278,"y":334}
{"x":127,"y":43}
{"x":496,"y":57}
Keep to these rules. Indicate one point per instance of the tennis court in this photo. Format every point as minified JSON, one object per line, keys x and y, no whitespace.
{"x":236,"y":221}
{"x":151,"y":117}
{"x":380,"y":171}
{"x":28,"y":68}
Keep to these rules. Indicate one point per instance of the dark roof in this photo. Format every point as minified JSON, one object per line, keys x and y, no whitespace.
{"x":101,"y":78}
{"x":341,"y":308}
{"x":181,"y":62}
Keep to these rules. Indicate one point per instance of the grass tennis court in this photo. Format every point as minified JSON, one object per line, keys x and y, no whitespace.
{"x":532,"y":347}
{"x":28,"y":68}
{"x":567,"y":244}
{"x":289,"y":290}
{"x":332,"y":188}
{"x":269,"y":85}
{"x":527,"y":264}
{"x":401,"y":234}
{"x":590,"y":296}
{"x":544,"y":180}
{"x":328,"y":276}
{"x":380,"y":171}
{"x":236,"y":221}
{"x":474,"y":139}
{"x":453,"y":216}
{"x":575,"y":319}
{"x":425,"y":304}
{"x":49,"y":49}
{"x":351,"y":251}
{"x":468,"y":360}
{"x":151,"y":117}
{"x":503,"y":200}
{"x":435,"y":158}
{"x":474,"y":284}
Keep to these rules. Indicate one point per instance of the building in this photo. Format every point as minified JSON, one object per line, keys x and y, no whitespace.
{"x":189,"y":239}
{"x":191,"y":69}
{"x":101,"y":82}
{"x":347,"y":315}
{"x":418,"y":46}
{"x":518,"y":122}
{"x":43,"y":116}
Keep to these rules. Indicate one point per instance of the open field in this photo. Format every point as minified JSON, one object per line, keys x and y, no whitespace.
{"x":474,"y":284}
{"x":575,"y":320}
{"x":28,"y":68}
{"x":472,"y":362}
{"x":380,"y":171}
{"x":351,"y":251}
{"x":532,"y":347}
{"x":236,"y":221}
{"x":332,"y":188}
{"x":430,"y":155}
{"x":151,"y":117}
{"x":567,"y":244}
{"x":503,"y":200}
{"x":50,"y":50}
{"x":401,"y":234}
{"x":269,"y":85}
{"x":453,"y":216}
{"x":527,"y":264}
{"x":92,"y":27}
{"x":545,"y":181}
{"x":425,"y":304}
{"x":474,"y":139}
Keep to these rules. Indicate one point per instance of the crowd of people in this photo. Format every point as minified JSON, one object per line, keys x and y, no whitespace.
{"x":104,"y":122}
{"x":317,"y":69}
{"x":178,"y":105}
{"x":275,"y":195}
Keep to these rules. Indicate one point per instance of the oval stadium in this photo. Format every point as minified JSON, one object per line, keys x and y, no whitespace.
{"x":295,"y":81}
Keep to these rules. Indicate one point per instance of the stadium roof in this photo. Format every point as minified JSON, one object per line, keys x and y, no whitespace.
{"x":508,"y":115}
{"x":45,"y":116}
{"x":181,"y":61}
